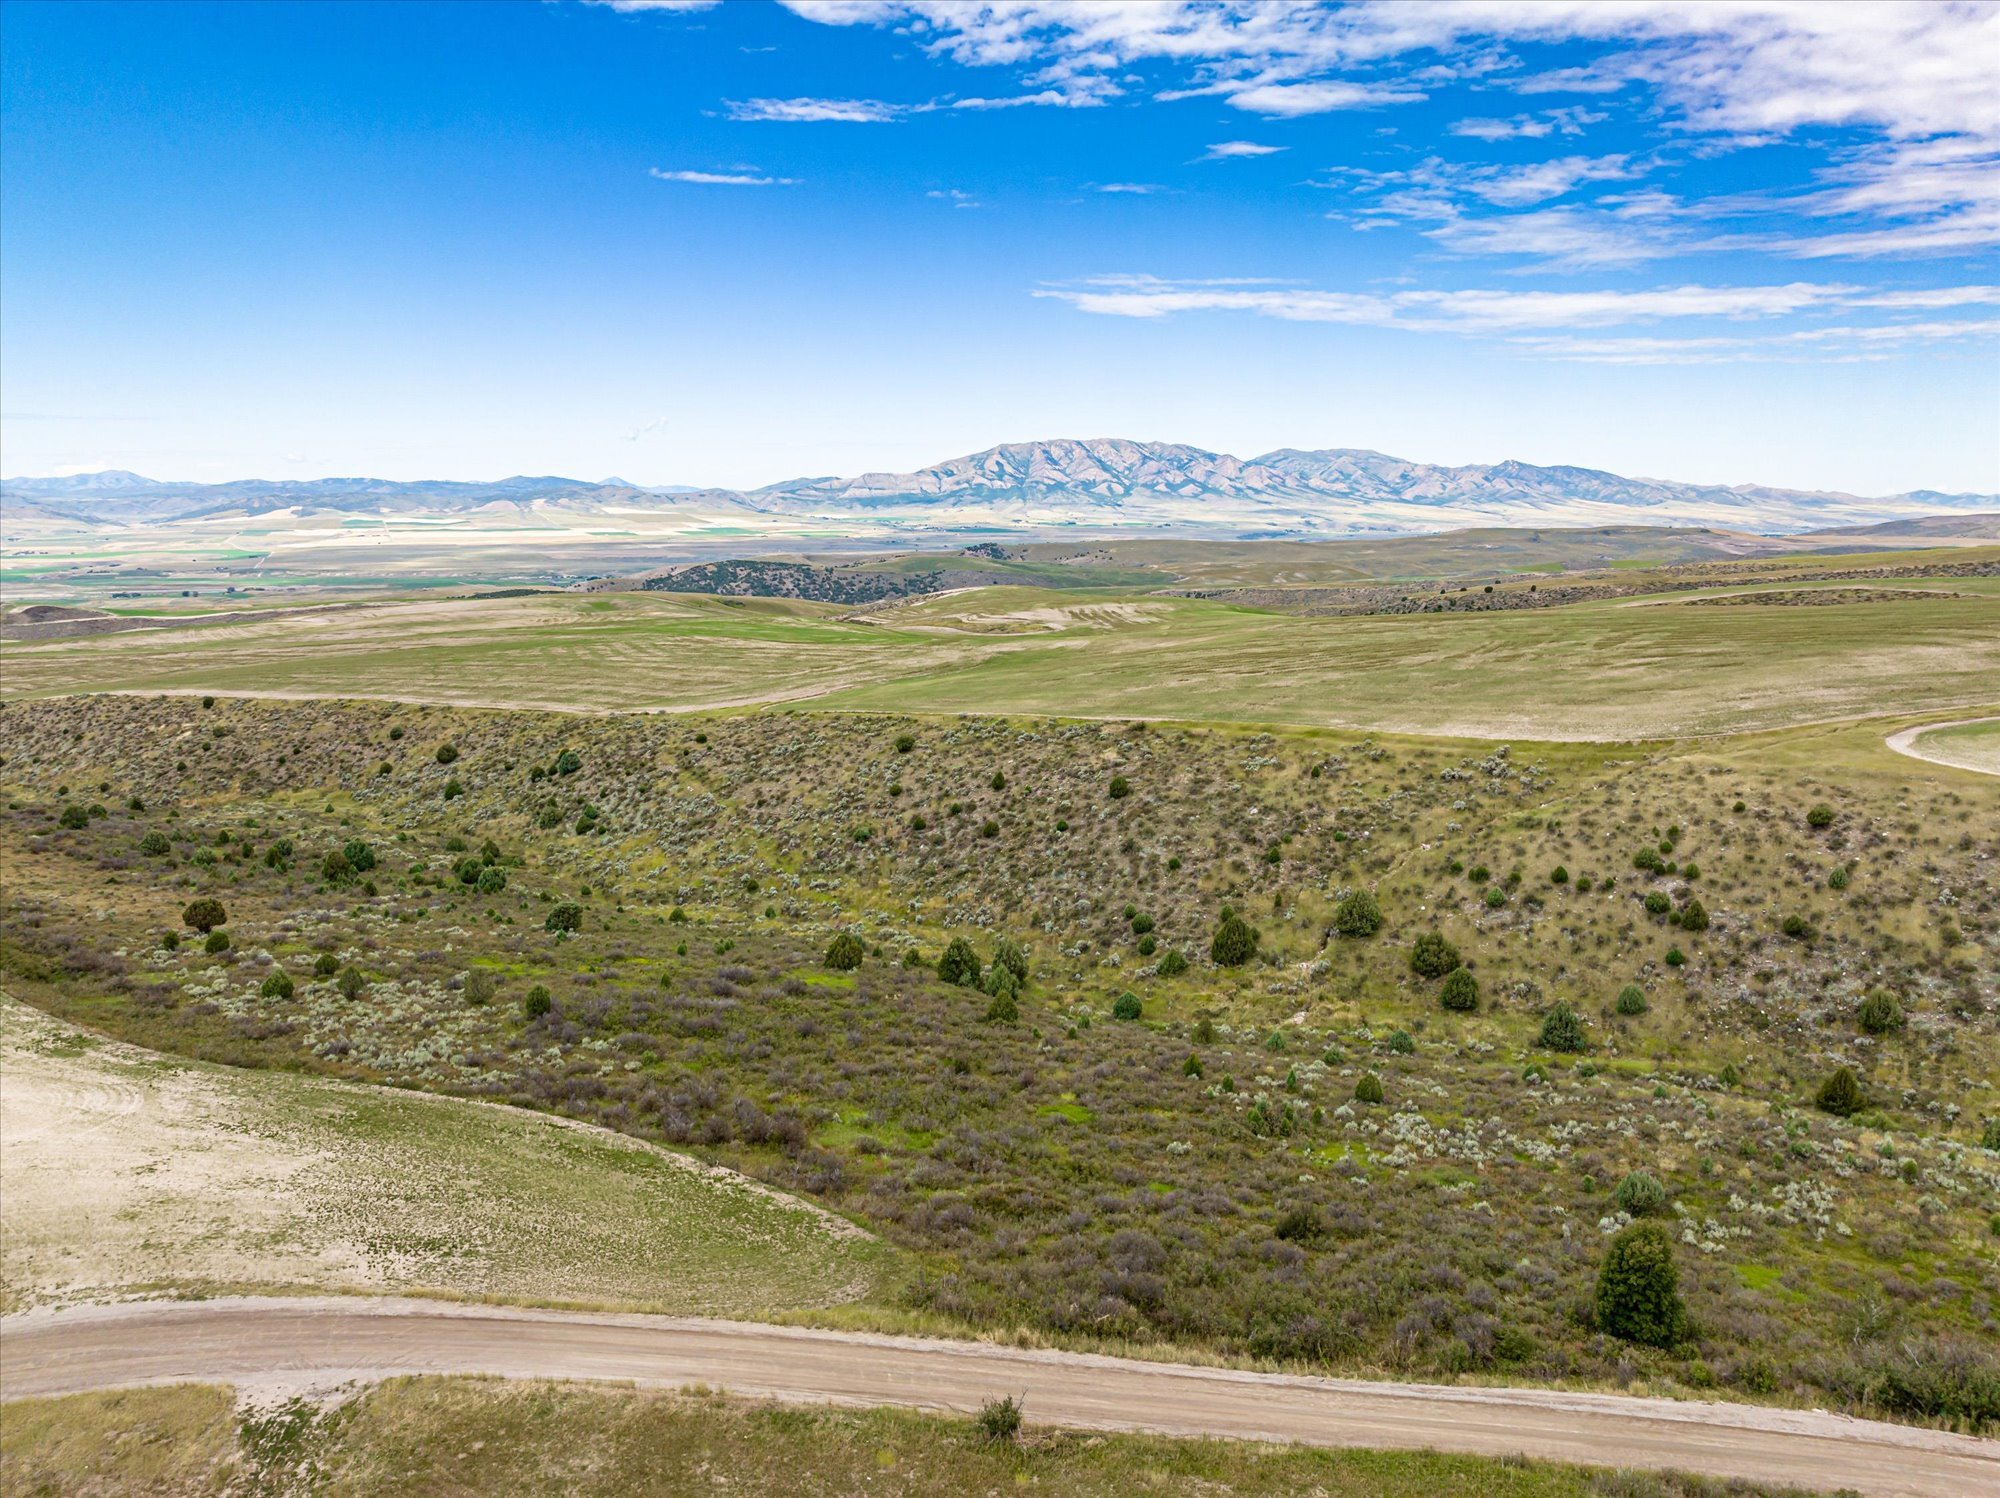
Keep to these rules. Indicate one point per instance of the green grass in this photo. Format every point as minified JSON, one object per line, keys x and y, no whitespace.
{"x":1607,"y":671}
{"x":463,"y":1435}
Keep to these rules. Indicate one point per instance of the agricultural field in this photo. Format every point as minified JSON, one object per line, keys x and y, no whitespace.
{"x":1624,"y":667}
{"x":590,"y":1441}
{"x":1302,"y":1047}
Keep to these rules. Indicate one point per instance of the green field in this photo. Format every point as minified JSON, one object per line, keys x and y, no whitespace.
{"x":1622,"y":669}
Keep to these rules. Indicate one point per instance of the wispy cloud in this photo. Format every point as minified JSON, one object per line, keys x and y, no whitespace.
{"x":1481,"y":310}
{"x":954,"y":197}
{"x":1137,"y":189}
{"x":1568,"y":121}
{"x":1289,"y":100}
{"x":1230,"y":149}
{"x":748,"y":177}
{"x":817,"y":111}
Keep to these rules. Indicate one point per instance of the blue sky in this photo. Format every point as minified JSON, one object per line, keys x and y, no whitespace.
{"x":732,"y":244}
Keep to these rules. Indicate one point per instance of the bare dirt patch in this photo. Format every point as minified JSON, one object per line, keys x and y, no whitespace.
{"x":125,"y":1171}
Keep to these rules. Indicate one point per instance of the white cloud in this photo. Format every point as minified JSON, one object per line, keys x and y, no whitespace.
{"x":1230,"y":149}
{"x":747,"y":178}
{"x":1292,"y":99}
{"x":814,"y":111}
{"x":1137,"y":189}
{"x":1497,"y":311}
{"x":1567,"y":121}
{"x":954,"y":197}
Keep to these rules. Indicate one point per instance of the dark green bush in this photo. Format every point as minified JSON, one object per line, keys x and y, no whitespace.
{"x":1840,"y":1094}
{"x":1560,"y":875}
{"x":1562,"y":1030}
{"x":1694,"y":916}
{"x":155,"y":845}
{"x":1460,"y":992}
{"x":335,"y":869}
{"x":216,"y":941}
{"x":1357,"y":913}
{"x":845,"y":953}
{"x":1235,"y":942}
{"x":1631,"y":999}
{"x":1127,"y":1007}
{"x":1400,"y":1043}
{"x":1638,"y":1288}
{"x":537,"y":1003}
{"x":447,"y":754}
{"x":905,"y":742}
{"x":277,"y":986}
{"x":1368,"y":1089}
{"x":1820,"y":816}
{"x":1432,"y":956}
{"x":564,"y":918}
{"x":1120,"y":787}
{"x":1141,"y":924}
{"x":1173,"y":964}
{"x":325,"y":965}
{"x":1000,"y":1419}
{"x":959,"y":964}
{"x":1302,"y":1224}
{"x":204,"y":914}
{"x":1880,"y":1013}
{"x":1640,"y":1194}
{"x":1009,"y":954}
{"x":351,"y":983}
{"x":491,"y":880}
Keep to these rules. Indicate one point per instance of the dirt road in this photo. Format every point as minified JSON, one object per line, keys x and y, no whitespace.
{"x":1910,"y":741}
{"x":277,"y":1345}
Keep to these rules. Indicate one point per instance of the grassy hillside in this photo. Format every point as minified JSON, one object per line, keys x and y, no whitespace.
{"x":1202,"y":1175}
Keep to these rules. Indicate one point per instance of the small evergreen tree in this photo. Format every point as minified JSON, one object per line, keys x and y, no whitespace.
{"x":1694,"y":916}
{"x":1368,"y":1089}
{"x":1008,"y":954}
{"x":845,"y":953}
{"x":1631,"y":999}
{"x":1173,"y":964}
{"x":1127,"y":1007}
{"x":1640,"y":1194}
{"x":277,"y":986}
{"x":1638,"y":1288}
{"x":1357,"y":913}
{"x":537,"y":1003}
{"x":1562,"y":1030}
{"x":1840,"y":1094}
{"x":564,"y":919}
{"x":1235,"y":942}
{"x":1880,"y":1013}
{"x":351,"y":983}
{"x":1460,"y":991}
{"x":204,"y":914}
{"x":1433,"y":956}
{"x":960,"y":964}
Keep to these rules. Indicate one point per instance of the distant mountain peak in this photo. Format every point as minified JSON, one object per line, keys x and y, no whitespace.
{"x":1113,"y":482}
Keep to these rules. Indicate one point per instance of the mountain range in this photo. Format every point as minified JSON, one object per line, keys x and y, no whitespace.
{"x":1098,"y":484}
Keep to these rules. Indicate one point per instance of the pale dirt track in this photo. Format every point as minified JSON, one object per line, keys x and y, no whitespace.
{"x":273,"y":1346}
{"x":1906,"y":740}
